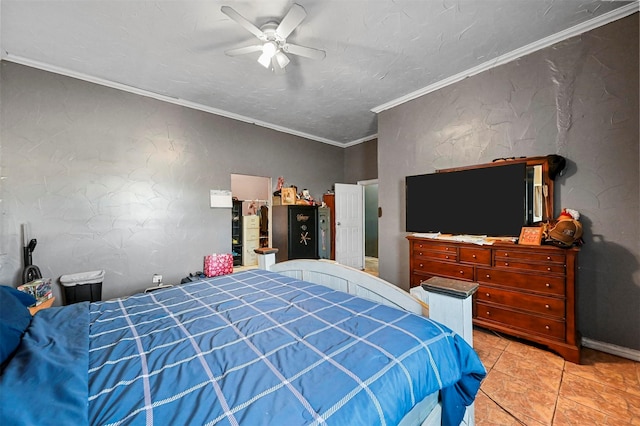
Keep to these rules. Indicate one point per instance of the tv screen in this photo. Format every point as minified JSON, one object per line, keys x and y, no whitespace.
{"x":483,"y":201}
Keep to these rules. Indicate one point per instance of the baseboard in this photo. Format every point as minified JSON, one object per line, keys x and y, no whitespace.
{"x":609,"y":348}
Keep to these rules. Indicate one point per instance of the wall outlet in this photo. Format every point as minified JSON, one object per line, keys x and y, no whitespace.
{"x":157,"y":279}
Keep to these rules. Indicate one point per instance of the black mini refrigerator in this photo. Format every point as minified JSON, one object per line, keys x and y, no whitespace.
{"x":295,"y":232}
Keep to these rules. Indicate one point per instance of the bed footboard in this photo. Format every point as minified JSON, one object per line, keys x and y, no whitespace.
{"x":349,"y":280}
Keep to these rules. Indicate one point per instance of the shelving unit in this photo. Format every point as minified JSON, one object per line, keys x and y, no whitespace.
{"x":236,"y":232}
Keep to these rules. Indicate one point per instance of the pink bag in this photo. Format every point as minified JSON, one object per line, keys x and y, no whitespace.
{"x":218,"y":264}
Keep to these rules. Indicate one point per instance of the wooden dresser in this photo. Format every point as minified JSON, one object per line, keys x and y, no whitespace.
{"x":524,"y":291}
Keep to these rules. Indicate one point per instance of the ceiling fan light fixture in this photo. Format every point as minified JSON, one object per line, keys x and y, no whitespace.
{"x":264,"y":60}
{"x":268,"y":50}
{"x":282,"y":59}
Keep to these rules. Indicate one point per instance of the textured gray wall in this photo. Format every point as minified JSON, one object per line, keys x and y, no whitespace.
{"x":361,"y":162}
{"x":578,"y":99}
{"x":116,"y":181}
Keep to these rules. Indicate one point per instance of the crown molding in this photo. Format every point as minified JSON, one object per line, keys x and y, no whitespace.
{"x":173,"y":100}
{"x":518,"y":53}
{"x":359,"y":141}
{"x":589,"y":25}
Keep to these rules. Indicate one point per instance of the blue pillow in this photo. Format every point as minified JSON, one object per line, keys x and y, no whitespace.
{"x":14,"y":319}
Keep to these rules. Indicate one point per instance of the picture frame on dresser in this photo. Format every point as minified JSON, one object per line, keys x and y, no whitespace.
{"x":530,"y":236}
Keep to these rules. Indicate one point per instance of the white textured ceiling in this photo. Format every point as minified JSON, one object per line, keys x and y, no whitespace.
{"x":378,"y":52}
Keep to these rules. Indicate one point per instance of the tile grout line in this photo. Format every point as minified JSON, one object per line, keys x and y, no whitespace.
{"x":592,"y":380}
{"x":555,"y":405}
{"x":496,"y":402}
{"x":503,"y":409}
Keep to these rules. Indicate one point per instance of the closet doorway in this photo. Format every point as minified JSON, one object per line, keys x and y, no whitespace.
{"x":252,"y":212}
{"x":370,"y":217}
{"x":370,"y":194}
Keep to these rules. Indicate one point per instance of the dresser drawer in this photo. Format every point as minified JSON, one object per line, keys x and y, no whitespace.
{"x":478,"y":256}
{"x":548,"y":327}
{"x":528,"y":302}
{"x":451,"y":256}
{"x":445,"y":247}
{"x":501,"y":254}
{"x":542,"y":267}
{"x":444,"y":269}
{"x":416,"y":279}
{"x":521,"y":281}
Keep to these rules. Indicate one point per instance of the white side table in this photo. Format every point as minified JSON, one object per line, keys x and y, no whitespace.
{"x":450,"y":303}
{"x":266,"y":257}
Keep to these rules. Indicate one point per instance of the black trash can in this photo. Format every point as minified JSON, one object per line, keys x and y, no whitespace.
{"x":82,"y":287}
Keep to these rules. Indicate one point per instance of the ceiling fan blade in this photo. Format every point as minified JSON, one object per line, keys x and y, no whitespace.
{"x":292,"y":19}
{"x":231,"y":13}
{"x":243,"y":50}
{"x":307,"y":52}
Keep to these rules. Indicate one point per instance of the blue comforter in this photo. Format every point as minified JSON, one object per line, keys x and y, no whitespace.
{"x":249,"y":348}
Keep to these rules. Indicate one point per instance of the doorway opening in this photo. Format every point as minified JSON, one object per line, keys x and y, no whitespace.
{"x":371,"y":213}
{"x":251,"y":217}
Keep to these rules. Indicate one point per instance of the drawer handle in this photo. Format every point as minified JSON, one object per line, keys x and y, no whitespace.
{"x":420,"y":245}
{"x":548,"y":257}
{"x":506,"y":263}
{"x":474,"y":256}
{"x":506,"y":255}
{"x":488,"y":295}
{"x":488,"y":276}
{"x":488,"y":313}
{"x":547,"y":306}
{"x":421,"y":265}
{"x":547,"y":285}
{"x":446,"y":248}
{"x":547,"y":327}
{"x":548,"y":269}
{"x":446,"y":257}
{"x":420,"y":254}
{"x":461,"y":272}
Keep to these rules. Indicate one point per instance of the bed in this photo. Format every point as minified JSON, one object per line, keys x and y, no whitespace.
{"x":304,"y":343}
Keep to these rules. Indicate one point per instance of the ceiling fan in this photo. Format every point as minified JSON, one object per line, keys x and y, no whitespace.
{"x":273,"y":38}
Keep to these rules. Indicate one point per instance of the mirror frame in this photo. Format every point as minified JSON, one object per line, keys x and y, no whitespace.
{"x":547,"y":208}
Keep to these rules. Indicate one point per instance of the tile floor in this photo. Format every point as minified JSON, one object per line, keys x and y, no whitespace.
{"x":526,"y":385}
{"x":371,"y":265}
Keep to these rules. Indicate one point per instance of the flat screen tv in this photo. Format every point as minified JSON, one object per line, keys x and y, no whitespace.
{"x":479,"y":201}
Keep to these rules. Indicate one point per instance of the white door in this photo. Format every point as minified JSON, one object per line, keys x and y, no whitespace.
{"x":349,"y":225}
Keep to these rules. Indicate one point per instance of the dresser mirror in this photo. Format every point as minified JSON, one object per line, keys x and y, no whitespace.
{"x":539,"y":185}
